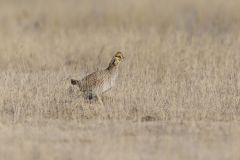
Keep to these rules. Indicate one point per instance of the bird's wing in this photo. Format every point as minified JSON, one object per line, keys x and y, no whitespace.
{"x":92,"y":80}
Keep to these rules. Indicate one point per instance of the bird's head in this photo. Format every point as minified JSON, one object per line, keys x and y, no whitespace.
{"x":117,"y":58}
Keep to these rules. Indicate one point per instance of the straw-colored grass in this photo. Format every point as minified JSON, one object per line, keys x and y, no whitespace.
{"x":177,"y":95}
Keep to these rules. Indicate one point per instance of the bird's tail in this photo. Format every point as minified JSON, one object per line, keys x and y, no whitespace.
{"x":74,"y":82}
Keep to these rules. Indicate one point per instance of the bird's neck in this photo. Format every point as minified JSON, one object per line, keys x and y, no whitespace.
{"x":112,"y":67}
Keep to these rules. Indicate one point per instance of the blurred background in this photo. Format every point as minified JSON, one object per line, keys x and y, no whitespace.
{"x":201,"y":16}
{"x":177,"y":95}
{"x":50,"y":22}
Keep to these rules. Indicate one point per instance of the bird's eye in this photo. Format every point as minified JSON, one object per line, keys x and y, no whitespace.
{"x":119,"y":57}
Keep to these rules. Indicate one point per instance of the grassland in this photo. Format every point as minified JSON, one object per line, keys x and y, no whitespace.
{"x":178,"y":92}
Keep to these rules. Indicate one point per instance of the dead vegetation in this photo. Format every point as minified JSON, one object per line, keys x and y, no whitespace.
{"x":177,"y":96}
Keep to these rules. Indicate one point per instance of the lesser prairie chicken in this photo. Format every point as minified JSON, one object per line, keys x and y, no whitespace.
{"x":100,"y":81}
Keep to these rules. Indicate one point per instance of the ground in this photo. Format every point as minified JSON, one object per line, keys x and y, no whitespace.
{"x":177,"y":95}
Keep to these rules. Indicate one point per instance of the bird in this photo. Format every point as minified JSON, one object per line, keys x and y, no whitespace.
{"x":100,"y":81}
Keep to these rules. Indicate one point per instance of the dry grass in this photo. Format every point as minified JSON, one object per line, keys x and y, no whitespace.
{"x":178,"y":92}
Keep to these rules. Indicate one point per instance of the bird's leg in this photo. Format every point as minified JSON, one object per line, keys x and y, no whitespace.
{"x":99,"y":100}
{"x":91,"y":96}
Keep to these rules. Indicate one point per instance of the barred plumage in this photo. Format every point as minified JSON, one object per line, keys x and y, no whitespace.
{"x":100,"y":81}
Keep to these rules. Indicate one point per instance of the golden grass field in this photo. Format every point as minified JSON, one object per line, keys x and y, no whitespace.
{"x":177,"y":95}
